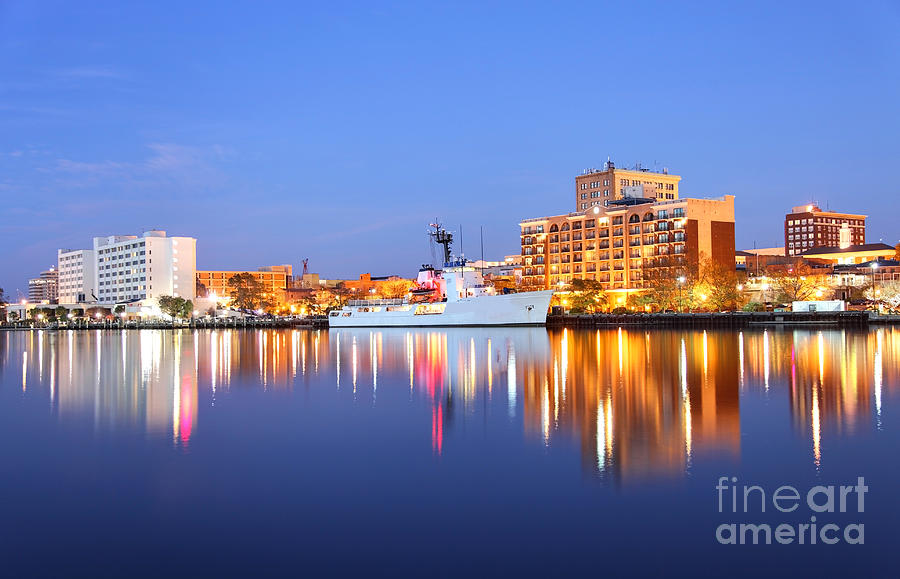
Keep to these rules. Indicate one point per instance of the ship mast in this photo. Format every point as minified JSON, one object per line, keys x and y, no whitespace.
{"x":442,"y":237}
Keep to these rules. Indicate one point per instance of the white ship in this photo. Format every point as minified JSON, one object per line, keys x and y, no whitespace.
{"x":453,"y":296}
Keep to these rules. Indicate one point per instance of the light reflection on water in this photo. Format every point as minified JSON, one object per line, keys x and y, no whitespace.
{"x":639,"y":404}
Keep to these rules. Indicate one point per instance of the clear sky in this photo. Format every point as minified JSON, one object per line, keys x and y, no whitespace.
{"x":336,"y":130}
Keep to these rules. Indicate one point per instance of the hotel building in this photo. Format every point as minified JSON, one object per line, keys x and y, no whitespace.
{"x":807,"y":227}
{"x":128,"y":268}
{"x":44,"y":288}
{"x":628,"y":242}
{"x":596,"y":188}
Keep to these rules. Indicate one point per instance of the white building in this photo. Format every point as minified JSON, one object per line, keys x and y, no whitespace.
{"x":128,"y":268}
{"x":77,"y":275}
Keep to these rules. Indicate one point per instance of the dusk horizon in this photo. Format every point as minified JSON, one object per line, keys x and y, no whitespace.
{"x":337,"y":134}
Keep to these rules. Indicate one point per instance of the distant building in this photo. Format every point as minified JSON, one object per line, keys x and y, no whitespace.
{"x":44,"y":288}
{"x":853,"y":254}
{"x":275,"y":279}
{"x":127,"y":269}
{"x":598,"y":188}
{"x":628,"y":242}
{"x":807,"y":227}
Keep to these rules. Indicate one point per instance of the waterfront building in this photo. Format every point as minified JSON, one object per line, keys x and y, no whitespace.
{"x":128,"y":268}
{"x":274,"y":279}
{"x":628,"y":243}
{"x":77,"y":275}
{"x":598,"y":188}
{"x":131,"y":268}
{"x":44,"y":288}
{"x":807,"y":227}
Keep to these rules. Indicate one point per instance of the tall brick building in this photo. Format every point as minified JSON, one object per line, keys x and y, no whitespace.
{"x":627,"y":242}
{"x":807,"y":226}
{"x":598,"y":188}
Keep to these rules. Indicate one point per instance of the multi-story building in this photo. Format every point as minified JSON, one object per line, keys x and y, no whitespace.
{"x":807,"y":226}
{"x":599,"y":188}
{"x":131,"y":268}
{"x":77,"y":276}
{"x":128,"y":268}
{"x":275,"y":279}
{"x":628,"y":242}
{"x":44,"y":288}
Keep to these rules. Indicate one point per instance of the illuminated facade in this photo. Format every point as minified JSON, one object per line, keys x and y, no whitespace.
{"x":598,"y":188}
{"x":128,"y":268}
{"x":274,"y":279}
{"x":627,"y":243}
{"x":807,"y":227}
{"x":44,"y":288}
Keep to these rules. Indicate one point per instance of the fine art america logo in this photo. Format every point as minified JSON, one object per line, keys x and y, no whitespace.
{"x":817,"y":503}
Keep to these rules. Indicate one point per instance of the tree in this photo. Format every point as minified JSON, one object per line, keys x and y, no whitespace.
{"x":717,"y":288}
{"x":666,"y":293}
{"x":246,"y":292}
{"x":795,"y":284}
{"x":586,"y":296}
{"x":341,"y":292}
{"x":395,"y":288}
{"x":119,"y":310}
{"x":886,"y":294}
{"x":61,"y":313}
{"x":172,"y":306}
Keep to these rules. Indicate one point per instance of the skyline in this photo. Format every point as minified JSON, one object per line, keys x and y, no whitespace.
{"x":272,"y":136}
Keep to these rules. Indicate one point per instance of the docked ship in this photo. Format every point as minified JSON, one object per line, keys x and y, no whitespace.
{"x":455,"y":295}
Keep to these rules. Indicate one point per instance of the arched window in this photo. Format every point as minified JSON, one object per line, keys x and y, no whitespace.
{"x":634,"y":219}
{"x":565,"y":227}
{"x":553,"y":228}
{"x":648,"y":216}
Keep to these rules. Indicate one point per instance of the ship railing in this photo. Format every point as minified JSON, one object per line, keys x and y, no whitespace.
{"x":378,"y":302}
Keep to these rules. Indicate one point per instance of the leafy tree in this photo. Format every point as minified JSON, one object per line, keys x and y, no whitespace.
{"x":395,"y":288}
{"x":795,"y":284}
{"x":341,"y":292}
{"x":187,"y":308}
{"x":119,"y":310}
{"x":246,"y":292}
{"x":666,"y":293}
{"x":171,"y":306}
{"x":61,"y":313}
{"x":78,"y":312}
{"x":586,"y":296}
{"x":717,"y":288}
{"x":13,"y":317}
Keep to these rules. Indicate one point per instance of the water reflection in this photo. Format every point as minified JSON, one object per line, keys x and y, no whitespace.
{"x":638,"y":404}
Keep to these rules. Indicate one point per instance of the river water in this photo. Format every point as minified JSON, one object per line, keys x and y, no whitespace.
{"x":443,"y":451}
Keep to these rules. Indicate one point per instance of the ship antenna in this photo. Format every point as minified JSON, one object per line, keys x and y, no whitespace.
{"x":481,"y":232}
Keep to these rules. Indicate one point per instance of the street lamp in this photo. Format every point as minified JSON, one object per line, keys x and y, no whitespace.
{"x":681,"y":280}
{"x":874,"y":285}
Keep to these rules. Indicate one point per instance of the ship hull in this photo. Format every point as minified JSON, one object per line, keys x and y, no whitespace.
{"x":520,"y":309}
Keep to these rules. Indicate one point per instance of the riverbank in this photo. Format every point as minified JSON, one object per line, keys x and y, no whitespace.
{"x":722,"y":320}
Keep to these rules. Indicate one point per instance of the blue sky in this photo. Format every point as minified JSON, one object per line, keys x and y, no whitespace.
{"x":336,"y":131}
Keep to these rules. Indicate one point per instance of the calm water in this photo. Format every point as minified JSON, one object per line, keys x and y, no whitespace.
{"x":437,"y":452}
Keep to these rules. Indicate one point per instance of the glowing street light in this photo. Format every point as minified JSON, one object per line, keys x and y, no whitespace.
{"x":681,"y":280}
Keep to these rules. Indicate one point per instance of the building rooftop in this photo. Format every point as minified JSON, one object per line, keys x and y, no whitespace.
{"x":865,"y":248}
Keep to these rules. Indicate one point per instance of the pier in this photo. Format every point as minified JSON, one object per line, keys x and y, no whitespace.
{"x":725,"y":320}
